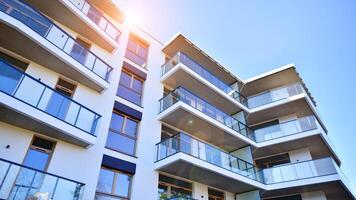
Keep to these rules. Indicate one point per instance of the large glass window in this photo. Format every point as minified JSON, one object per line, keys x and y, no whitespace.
{"x":113,"y":185}
{"x":136,"y":51}
{"x":130,"y":87}
{"x":171,"y":187}
{"x":122,"y":134}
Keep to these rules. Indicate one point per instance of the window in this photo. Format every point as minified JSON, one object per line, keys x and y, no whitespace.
{"x":122,"y":134}
{"x":39,"y":153}
{"x":22,"y":66}
{"x":273,"y":161}
{"x":136,"y":51}
{"x":130,"y":87}
{"x":65,"y":87}
{"x":215,"y":194}
{"x":113,"y":185}
{"x":171,"y":187}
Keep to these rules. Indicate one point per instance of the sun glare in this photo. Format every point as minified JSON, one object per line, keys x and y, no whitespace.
{"x":131,"y":18}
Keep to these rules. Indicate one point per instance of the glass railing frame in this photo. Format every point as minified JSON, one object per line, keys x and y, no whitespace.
{"x":285,"y":135}
{"x":23,"y":74}
{"x":82,"y":185}
{"x":109,"y":68}
{"x":296,"y":163}
{"x":271,"y":90}
{"x":256,"y":171}
{"x":241,"y":125}
{"x":240,"y":98}
{"x":103,"y":16}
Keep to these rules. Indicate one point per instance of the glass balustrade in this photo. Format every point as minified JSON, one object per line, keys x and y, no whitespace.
{"x":55,"y":35}
{"x":274,"y":95}
{"x":299,"y":170}
{"x":98,"y":18}
{"x":183,"y":95}
{"x":284,"y":129}
{"x":204,"y":73}
{"x":31,"y":91}
{"x":206,"y":152}
{"x":21,"y":183}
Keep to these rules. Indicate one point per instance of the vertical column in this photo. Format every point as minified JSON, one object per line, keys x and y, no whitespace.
{"x":200,"y":191}
{"x":253,"y":195}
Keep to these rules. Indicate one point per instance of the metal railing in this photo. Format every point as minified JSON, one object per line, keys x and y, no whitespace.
{"x":31,"y":91}
{"x":299,"y":170}
{"x":204,"y":73}
{"x":274,"y":95}
{"x":186,"y":144}
{"x":284,"y":129}
{"x":21,"y":182}
{"x":183,"y":95}
{"x":56,"y":36}
{"x":98,"y":18}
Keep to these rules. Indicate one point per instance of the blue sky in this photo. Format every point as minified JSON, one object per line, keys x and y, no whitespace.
{"x":252,"y":37}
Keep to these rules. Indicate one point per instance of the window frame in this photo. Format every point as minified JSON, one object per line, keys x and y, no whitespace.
{"x":114,"y":183}
{"x":139,"y":43}
{"x":36,"y":148}
{"x":122,"y":133}
{"x":57,"y":86}
{"x":132,"y":78}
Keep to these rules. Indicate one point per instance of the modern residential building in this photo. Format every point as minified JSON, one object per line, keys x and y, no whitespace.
{"x":93,"y":108}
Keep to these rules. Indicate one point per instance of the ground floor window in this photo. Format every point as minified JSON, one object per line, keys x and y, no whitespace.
{"x":215,"y":194}
{"x":171,"y":187}
{"x":113,"y":185}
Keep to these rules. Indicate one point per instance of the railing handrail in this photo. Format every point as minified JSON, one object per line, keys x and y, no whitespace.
{"x":206,"y":70}
{"x":41,"y":171}
{"x":182,"y":88}
{"x":102,"y":15}
{"x":205,"y":143}
{"x":68,"y":35}
{"x":38,"y":81}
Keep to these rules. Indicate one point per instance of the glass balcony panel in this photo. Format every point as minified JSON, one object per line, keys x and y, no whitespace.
{"x":206,"y":152}
{"x":204,"y":73}
{"x":9,"y":78}
{"x":29,"y":91}
{"x":181,"y":94}
{"x":20,"y":182}
{"x":55,"y":35}
{"x":33,"y":92}
{"x":286,"y":128}
{"x":274,"y":95}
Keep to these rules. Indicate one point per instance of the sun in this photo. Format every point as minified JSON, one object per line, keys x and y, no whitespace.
{"x":132,"y":19}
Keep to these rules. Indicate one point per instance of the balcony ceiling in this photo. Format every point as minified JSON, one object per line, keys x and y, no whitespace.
{"x":189,"y":171}
{"x":61,"y":13}
{"x":182,"y":44}
{"x":203,"y":130}
{"x":299,"y":107}
{"x":333,"y":191}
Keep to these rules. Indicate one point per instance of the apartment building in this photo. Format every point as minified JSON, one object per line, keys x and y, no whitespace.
{"x":93,"y":108}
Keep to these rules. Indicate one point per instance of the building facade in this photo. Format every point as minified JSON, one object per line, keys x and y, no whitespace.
{"x":93,"y":108}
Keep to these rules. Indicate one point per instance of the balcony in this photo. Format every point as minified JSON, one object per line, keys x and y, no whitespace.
{"x":181,"y":70}
{"x":28,"y":103}
{"x":313,"y":175}
{"x":21,"y":182}
{"x":188,"y":112}
{"x":201,"y":160}
{"x":84,"y":18}
{"x":23,"y":26}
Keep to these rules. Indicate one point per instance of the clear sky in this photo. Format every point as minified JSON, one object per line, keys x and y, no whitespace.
{"x":251,"y":37}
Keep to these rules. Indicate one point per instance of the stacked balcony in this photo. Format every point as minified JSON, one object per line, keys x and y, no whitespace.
{"x":84,"y":18}
{"x":49,"y":45}
{"x":28,"y":103}
{"x":21,"y":182}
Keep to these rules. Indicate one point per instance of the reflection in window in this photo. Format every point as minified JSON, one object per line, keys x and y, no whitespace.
{"x":130,"y":87}
{"x":122,"y":134}
{"x":113,"y":185}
